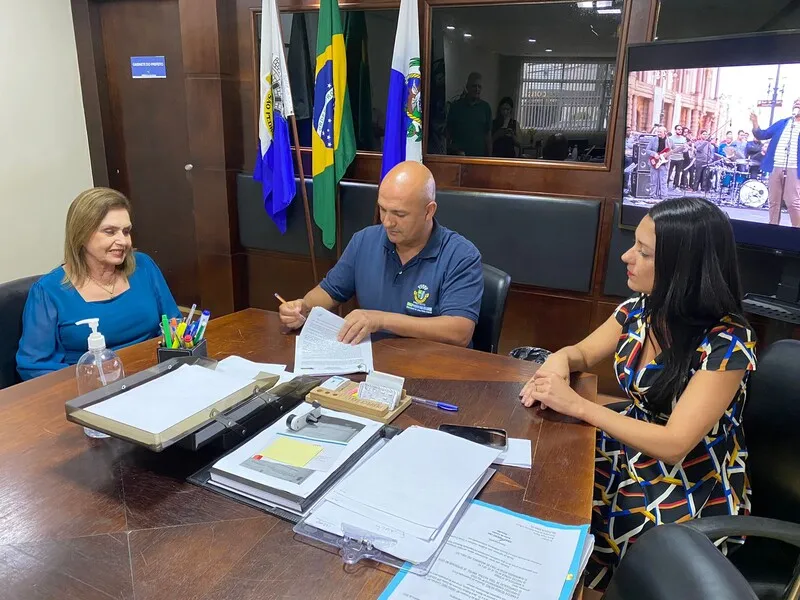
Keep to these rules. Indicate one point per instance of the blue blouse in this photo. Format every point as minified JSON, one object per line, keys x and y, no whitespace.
{"x":51,"y":340}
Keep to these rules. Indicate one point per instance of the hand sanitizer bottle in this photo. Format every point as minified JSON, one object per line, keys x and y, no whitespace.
{"x":97,"y":368}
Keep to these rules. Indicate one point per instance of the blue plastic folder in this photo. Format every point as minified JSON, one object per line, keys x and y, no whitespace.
{"x":574,"y":570}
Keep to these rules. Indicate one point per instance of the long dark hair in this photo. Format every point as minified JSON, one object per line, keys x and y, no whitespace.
{"x":498,"y":119}
{"x":696,"y":284}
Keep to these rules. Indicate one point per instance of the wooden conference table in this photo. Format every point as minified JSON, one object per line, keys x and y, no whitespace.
{"x":98,"y":519}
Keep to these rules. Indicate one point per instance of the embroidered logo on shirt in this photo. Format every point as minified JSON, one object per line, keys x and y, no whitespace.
{"x":421,"y":295}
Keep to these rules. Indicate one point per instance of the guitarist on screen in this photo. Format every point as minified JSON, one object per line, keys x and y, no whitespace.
{"x":659,"y":150}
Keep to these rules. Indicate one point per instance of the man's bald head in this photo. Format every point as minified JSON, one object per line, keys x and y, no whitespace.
{"x":407,"y":202}
{"x":409,"y":180}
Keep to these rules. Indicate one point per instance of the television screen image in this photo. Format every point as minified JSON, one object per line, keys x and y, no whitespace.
{"x":717,"y":119}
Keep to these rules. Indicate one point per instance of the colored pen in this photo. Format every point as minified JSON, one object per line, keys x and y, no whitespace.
{"x":165,"y":331}
{"x":435,"y":404}
{"x":180,"y":330}
{"x":187,"y":342}
{"x":190,"y":315}
{"x":282,"y":301}
{"x":201,"y":327}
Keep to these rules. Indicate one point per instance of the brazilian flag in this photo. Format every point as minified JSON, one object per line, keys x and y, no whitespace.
{"x":333,"y":142}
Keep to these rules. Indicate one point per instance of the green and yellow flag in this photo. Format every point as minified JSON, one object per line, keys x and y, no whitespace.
{"x":333,"y":143}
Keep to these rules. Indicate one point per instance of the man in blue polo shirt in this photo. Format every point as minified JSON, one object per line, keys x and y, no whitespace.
{"x":412,"y":277}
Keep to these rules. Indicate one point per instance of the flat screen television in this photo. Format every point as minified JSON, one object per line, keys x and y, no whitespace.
{"x":711,"y":87}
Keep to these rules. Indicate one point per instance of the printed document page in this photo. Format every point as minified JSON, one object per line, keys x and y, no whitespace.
{"x":318,"y":352}
{"x":495,"y":554}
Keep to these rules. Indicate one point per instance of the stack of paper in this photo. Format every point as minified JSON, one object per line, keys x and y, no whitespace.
{"x":318,"y":352}
{"x":494,"y":553}
{"x":293,"y":469}
{"x":409,"y":495}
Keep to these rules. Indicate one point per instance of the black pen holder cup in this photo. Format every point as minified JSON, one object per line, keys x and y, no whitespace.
{"x":164,"y":354}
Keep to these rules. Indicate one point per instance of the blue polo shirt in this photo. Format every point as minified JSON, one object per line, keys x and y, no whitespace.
{"x":444,"y":279}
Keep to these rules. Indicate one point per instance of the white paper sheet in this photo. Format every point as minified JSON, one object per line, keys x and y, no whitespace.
{"x":420,"y":477}
{"x":494,"y":554}
{"x":161,"y":403}
{"x":334,"y":519}
{"x":318,"y":352}
{"x":518,"y":454}
{"x":241,"y":367}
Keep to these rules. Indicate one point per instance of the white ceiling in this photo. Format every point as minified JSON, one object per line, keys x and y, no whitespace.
{"x":505,"y":29}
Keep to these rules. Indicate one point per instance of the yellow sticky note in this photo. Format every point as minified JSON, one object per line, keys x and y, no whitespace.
{"x":291,"y":452}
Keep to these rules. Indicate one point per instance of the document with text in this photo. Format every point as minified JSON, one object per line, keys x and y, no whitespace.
{"x":496,"y":554}
{"x":318,"y":352}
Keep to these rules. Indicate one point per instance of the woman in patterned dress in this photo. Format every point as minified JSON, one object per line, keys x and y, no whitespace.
{"x":682,"y":353}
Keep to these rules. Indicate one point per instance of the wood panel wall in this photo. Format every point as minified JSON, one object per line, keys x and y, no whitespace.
{"x":217,"y":39}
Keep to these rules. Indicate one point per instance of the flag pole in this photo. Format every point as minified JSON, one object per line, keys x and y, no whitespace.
{"x":299,"y":158}
{"x":304,"y":193}
{"x":338,"y":205}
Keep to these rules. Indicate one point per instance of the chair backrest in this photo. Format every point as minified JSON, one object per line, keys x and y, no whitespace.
{"x":493,"y":309}
{"x":771,"y":421}
{"x":12,"y":301}
{"x":672,"y":561}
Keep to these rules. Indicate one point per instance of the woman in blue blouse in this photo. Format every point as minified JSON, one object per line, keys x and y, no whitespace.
{"x":101,"y":277}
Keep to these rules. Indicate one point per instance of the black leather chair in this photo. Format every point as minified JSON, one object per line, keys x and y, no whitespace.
{"x":493,"y":309}
{"x":675,"y":562}
{"x":768,"y":561}
{"x":771,"y":423}
{"x":12,"y":300}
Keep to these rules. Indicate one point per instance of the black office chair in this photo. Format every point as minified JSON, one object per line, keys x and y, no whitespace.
{"x":12,"y":300}
{"x":768,"y":561}
{"x":771,"y":423}
{"x":493,"y":309}
{"x":675,"y":562}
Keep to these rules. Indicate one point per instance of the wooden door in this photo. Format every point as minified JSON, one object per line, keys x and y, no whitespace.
{"x":146,"y":137}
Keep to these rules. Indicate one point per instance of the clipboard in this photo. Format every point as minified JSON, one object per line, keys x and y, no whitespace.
{"x":357,"y":544}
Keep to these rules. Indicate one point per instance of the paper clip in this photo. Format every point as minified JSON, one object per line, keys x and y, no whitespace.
{"x":358,"y":544}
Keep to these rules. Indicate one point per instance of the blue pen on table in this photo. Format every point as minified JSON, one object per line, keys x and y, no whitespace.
{"x":435,"y":404}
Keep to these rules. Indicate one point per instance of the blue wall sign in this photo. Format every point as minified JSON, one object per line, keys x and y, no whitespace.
{"x":148,"y":67}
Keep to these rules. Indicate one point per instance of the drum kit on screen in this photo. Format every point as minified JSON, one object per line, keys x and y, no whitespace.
{"x":738,"y":182}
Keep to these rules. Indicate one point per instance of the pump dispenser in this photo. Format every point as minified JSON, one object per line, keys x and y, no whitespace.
{"x":98,"y":367}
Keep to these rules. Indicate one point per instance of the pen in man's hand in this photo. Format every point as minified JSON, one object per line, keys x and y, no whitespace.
{"x":282,"y":301}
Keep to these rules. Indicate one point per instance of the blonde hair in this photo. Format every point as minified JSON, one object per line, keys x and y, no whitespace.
{"x":84,"y":217}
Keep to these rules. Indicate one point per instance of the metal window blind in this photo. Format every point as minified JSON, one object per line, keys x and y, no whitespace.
{"x":562,"y":96}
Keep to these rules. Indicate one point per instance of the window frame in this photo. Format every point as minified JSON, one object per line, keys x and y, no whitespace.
{"x":426,"y":50}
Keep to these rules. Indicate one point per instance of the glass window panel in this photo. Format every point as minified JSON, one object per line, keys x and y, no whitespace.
{"x":522,"y":80}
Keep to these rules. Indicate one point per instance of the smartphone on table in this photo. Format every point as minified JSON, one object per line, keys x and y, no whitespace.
{"x":486,"y":436}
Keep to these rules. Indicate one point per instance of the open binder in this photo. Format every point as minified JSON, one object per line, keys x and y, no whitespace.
{"x":202,"y":478}
{"x":228,"y":421}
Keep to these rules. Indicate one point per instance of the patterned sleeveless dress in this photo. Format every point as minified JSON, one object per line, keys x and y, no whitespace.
{"x":634,"y":492}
